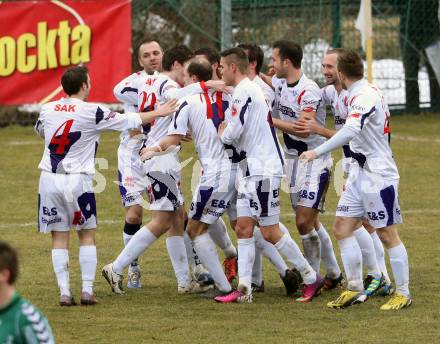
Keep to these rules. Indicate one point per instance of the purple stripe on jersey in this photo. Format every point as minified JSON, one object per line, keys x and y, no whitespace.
{"x":177,"y":113}
{"x":290,"y":143}
{"x":87,"y":204}
{"x":99,"y":116}
{"x":323,"y":185}
{"x":359,"y":157}
{"x":243,"y":110}
{"x":347,"y":151}
{"x":263,"y":190}
{"x":55,"y":159}
{"x":162,"y":85}
{"x":205,"y":195}
{"x":388,"y":196}
{"x":38,"y":211}
{"x":274,"y":136}
{"x":366,"y":115}
{"x":233,"y":155}
{"x":129,"y":89}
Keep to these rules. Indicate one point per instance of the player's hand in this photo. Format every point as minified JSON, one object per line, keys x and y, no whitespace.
{"x":308,"y":156}
{"x":167,"y":108}
{"x":146,"y":153}
{"x":307,"y":126}
{"x":134,"y":132}
{"x":266,"y":78}
{"x":218,"y":85}
{"x":221,"y":128}
{"x":187,"y":137}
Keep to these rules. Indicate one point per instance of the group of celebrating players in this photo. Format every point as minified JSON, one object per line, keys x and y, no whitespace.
{"x":232,"y":113}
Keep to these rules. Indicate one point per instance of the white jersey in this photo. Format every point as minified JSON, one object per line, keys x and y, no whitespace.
{"x":70,"y":128}
{"x":127,"y":92}
{"x":368,"y":114}
{"x":269,"y":93}
{"x":201,"y":114}
{"x":338,"y":103}
{"x":251,"y":130}
{"x":290,"y":101}
{"x":162,"y":90}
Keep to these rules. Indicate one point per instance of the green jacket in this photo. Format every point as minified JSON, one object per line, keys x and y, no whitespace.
{"x":20,"y":323}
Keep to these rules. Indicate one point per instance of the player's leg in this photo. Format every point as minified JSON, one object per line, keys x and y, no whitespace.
{"x":60,"y":262}
{"x":366,"y":244}
{"x":161,"y":222}
{"x":87,"y":261}
{"x":380,"y":258}
{"x":133,"y":222}
{"x":305,"y":222}
{"x":399,"y":265}
{"x":219,"y":234}
{"x":207,"y":252}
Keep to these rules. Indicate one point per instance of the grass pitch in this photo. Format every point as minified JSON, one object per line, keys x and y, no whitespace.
{"x":156,"y":314}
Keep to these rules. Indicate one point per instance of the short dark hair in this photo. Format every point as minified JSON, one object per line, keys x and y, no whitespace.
{"x":73,"y":79}
{"x":254,"y":53}
{"x":290,"y":51}
{"x":9,"y":261}
{"x":147,"y":40}
{"x":350,"y":63}
{"x":211,"y":54}
{"x":179,"y":53}
{"x":201,"y":69}
{"x":336,"y":51}
{"x":237,"y":56}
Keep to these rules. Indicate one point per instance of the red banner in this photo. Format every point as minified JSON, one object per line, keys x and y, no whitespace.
{"x":41,"y":39}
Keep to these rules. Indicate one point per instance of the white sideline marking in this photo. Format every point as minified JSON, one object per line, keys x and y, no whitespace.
{"x":121,"y":220}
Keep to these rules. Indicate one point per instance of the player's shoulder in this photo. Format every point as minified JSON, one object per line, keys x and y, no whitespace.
{"x":306,"y":84}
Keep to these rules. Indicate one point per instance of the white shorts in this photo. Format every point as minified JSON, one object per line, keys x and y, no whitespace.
{"x":259,"y":197}
{"x":66,"y":201}
{"x":308,"y":182}
{"x":368,"y":195}
{"x":131,"y":176}
{"x":212,"y":196}
{"x":163,"y":181}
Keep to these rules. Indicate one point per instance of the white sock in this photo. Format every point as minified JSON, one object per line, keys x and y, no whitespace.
{"x":60,"y":262}
{"x":246,"y":257}
{"x":312,"y":249}
{"x":270,"y":252}
{"x":257,"y":268}
{"x":380,"y":256}
{"x":209,"y":257}
{"x":179,"y":260}
{"x":219,"y":234}
{"x":400,"y":268}
{"x":137,"y":245}
{"x":193,"y":258}
{"x":88,"y":261}
{"x":126,"y":238}
{"x":283,"y":228}
{"x":328,"y":254}
{"x":351,"y":256}
{"x":289,"y":249}
{"x":367,"y":248}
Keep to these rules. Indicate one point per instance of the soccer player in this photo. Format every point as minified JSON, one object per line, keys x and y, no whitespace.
{"x":163,"y":178}
{"x":259,"y":179}
{"x":262,"y":247}
{"x":298,"y":97}
{"x":372,"y":249}
{"x":71,"y":128}
{"x":130,"y":172}
{"x":20,"y":321}
{"x":371,"y":189}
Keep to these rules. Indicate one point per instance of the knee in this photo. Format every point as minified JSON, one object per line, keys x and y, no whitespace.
{"x":244,"y":230}
{"x":134,"y":215}
{"x":389,"y":237}
{"x":194,"y":229}
{"x":304,"y":225}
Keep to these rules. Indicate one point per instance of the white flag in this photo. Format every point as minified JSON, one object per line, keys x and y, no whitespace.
{"x":364,"y":22}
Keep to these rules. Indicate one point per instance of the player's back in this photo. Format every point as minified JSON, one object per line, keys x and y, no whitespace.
{"x":258,"y":139}
{"x":368,"y":113}
{"x":202,"y":115}
{"x":70,"y":128}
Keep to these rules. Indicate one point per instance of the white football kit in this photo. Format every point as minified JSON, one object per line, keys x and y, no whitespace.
{"x":201,"y":114}
{"x":131,"y":176}
{"x":251,"y":131}
{"x":308,"y":183}
{"x":163,"y":171}
{"x":372,"y":188}
{"x":71,"y":128}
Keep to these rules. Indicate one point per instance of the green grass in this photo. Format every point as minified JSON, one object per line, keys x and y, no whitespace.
{"x":157,"y":314}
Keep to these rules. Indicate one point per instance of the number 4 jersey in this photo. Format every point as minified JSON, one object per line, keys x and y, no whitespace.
{"x":70,"y":128}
